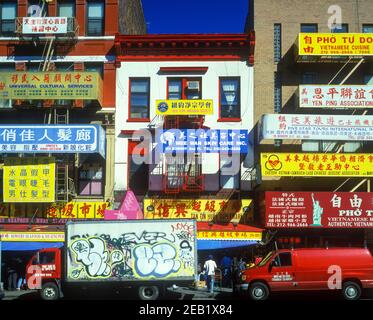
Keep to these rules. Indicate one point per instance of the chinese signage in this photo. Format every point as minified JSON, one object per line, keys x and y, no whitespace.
{"x":29,"y":179}
{"x":319,"y":209}
{"x":51,"y":85}
{"x":32,"y":236}
{"x":184,"y":107}
{"x":52,"y":139}
{"x":317,"y":127}
{"x":317,"y":164}
{"x":78,"y":210}
{"x":336,"y":44}
{"x":229,"y":235}
{"x":202,"y":210}
{"x":44,"y":25}
{"x":347,"y":96}
{"x":203,"y":141}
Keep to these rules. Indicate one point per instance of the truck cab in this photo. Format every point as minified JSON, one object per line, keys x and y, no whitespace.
{"x":43,"y":272}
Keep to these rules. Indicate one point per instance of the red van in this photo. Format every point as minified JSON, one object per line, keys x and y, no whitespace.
{"x":347,"y":269}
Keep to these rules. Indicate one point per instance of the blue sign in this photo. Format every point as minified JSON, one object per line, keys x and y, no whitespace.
{"x":30,"y":138}
{"x":203,"y":141}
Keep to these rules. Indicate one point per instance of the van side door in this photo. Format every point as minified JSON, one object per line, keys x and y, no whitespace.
{"x":282,"y":272}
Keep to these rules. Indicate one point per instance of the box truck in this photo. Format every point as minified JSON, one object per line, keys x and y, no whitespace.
{"x":347,"y":269}
{"x":148,"y":255}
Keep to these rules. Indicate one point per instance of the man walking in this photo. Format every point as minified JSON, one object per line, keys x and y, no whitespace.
{"x":210,"y":267}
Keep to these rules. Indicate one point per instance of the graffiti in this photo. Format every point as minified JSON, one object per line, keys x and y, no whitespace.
{"x":158,"y":260}
{"x":145,"y":252}
{"x":95,"y":258}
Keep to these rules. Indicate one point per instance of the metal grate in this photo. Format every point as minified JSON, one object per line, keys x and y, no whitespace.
{"x":277,"y":95}
{"x":277,"y":42}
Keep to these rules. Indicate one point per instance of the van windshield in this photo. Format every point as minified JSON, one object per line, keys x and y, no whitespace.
{"x":265,"y":260}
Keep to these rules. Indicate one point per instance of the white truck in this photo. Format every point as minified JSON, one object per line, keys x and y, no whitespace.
{"x":149,"y":255}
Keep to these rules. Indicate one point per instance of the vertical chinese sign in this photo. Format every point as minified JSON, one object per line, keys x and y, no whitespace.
{"x":29,"y":179}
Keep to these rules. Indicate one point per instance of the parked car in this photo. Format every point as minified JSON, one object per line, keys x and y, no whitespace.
{"x":347,"y":269}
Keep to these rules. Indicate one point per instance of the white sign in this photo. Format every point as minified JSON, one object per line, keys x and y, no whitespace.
{"x":324,"y":96}
{"x":44,"y":25}
{"x":317,"y":127}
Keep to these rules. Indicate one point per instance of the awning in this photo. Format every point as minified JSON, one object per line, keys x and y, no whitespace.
{"x":230,"y":231}
{"x":28,"y":246}
{"x":223,"y":244}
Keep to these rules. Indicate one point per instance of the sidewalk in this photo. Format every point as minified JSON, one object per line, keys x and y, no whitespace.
{"x":14,"y":294}
{"x":202,"y":293}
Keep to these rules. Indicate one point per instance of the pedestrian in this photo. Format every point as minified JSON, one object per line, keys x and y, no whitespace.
{"x":226,"y":264}
{"x":209,"y":268}
{"x":20,"y":268}
{"x":12,"y":276}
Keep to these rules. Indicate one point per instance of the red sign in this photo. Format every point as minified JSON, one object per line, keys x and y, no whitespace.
{"x":319,"y":209}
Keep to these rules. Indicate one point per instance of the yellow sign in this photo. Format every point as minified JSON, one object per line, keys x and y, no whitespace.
{"x":184,"y":107}
{"x":229,"y":235}
{"x":317,"y":164}
{"x":78,"y":210}
{"x":51,"y":85}
{"x":220,"y":210}
{"x":29,"y":179}
{"x":32,"y":236}
{"x":335,"y":44}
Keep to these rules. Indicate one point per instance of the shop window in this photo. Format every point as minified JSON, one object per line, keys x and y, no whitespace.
{"x":343,"y":28}
{"x":37,"y":8}
{"x":66,"y":9}
{"x":91,"y":179}
{"x":8,"y":15}
{"x":95,"y":18}
{"x":230,"y":102}
{"x":184,"y":88}
{"x":139,"y":99}
{"x":367,"y":28}
{"x":309,"y":27}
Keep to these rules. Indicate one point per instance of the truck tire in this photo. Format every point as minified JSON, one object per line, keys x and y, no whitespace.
{"x":258,"y":291}
{"x":148,"y":293}
{"x":351,"y":290}
{"x":49,"y":291}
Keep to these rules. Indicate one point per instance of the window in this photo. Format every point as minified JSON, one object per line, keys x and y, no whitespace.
{"x":139,"y":98}
{"x":94,"y":67}
{"x":282,"y":260}
{"x":66,"y":9}
{"x":184,"y":88}
{"x":46,"y":257}
{"x":343,"y":28}
{"x":367,"y":28}
{"x":230,"y":104}
{"x":8,"y":15}
{"x":91,"y":178}
{"x":229,"y":173}
{"x":309,"y":27}
{"x":6,"y":67}
{"x":95,"y":18}
{"x":37,"y":8}
{"x":277,"y":42}
{"x":368,"y":79}
{"x":309,"y":78}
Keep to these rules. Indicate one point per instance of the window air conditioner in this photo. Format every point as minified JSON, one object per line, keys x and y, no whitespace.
{"x":193,"y":85}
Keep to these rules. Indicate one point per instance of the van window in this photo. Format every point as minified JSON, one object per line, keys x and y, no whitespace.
{"x":47,"y":258}
{"x":282,"y":260}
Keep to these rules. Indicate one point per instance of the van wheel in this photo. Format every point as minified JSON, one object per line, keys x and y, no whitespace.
{"x":351,"y":290}
{"x":258,"y":291}
{"x":148,"y":293}
{"x":50,"y":291}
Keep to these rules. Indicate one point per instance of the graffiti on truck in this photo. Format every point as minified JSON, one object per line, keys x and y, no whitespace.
{"x":139,"y":254}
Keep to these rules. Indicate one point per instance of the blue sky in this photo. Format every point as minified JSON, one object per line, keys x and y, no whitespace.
{"x":195,"y":16}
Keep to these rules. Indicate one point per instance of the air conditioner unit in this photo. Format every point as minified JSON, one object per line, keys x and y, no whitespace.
{"x":193,"y":85}
{"x":5,"y":104}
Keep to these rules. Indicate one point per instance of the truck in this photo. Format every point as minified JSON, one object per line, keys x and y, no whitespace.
{"x":347,"y":269}
{"x":147,"y":255}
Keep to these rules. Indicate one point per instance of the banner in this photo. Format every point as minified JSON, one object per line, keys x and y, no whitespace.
{"x":32,"y":236}
{"x":51,"y":85}
{"x":317,"y":164}
{"x":317,"y":127}
{"x":29,"y":179}
{"x":203,"y":141}
{"x":335,"y":44}
{"x":29,"y":138}
{"x":78,"y":210}
{"x":130,"y":209}
{"x":229,"y":235}
{"x":184,"y":107}
{"x":220,"y":210}
{"x":44,"y":25}
{"x":319,"y":209}
{"x":333,"y":97}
